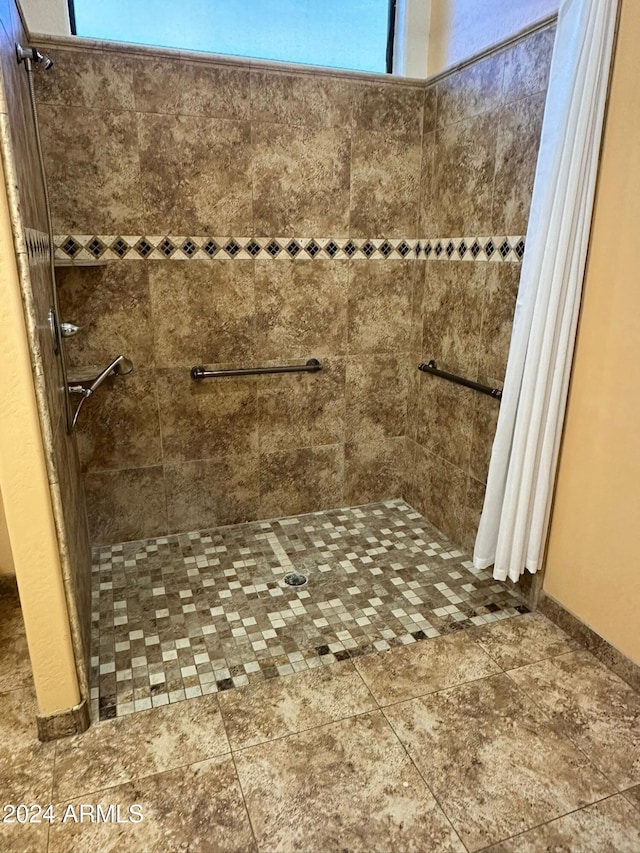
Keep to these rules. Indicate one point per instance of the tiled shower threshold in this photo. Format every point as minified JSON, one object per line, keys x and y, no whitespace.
{"x":192,"y":614}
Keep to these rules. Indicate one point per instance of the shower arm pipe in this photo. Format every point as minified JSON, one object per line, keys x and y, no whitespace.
{"x":199,"y":373}
{"x":432,"y":367}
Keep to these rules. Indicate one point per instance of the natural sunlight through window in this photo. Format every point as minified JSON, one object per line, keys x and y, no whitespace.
{"x":352,"y":34}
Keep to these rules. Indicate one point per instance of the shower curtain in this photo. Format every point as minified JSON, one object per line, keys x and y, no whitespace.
{"x":515,"y":516}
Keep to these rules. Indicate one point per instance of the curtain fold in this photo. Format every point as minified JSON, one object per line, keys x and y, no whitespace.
{"x":515,"y":516}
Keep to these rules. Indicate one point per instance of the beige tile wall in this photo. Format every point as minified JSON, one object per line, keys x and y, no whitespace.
{"x":480,"y":160}
{"x":137,"y":144}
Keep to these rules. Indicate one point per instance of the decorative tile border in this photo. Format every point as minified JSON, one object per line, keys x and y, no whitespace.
{"x":86,"y":247}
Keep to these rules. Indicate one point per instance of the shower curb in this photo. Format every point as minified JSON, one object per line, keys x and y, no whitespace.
{"x":71,"y":721}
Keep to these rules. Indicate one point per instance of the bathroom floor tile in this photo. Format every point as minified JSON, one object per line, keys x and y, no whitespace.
{"x":146,"y":743}
{"x":610,"y":826}
{"x":200,"y":613}
{"x":598,"y":711}
{"x":23,"y":837}
{"x":633,"y":795}
{"x":302,"y":701}
{"x":517,"y":642}
{"x":496,"y":765}
{"x":197,"y":808}
{"x":424,"y":668}
{"x":26,"y":765}
{"x":345,"y":786}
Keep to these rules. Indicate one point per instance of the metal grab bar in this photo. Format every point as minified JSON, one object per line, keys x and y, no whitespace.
{"x":432,"y":367}
{"x":198,"y":373}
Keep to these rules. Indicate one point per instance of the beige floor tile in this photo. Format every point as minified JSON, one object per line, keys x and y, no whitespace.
{"x":496,"y":766}
{"x":282,"y":706}
{"x":345,"y":786}
{"x":15,"y":666}
{"x":517,"y":642}
{"x":598,"y":711}
{"x":197,"y":808}
{"x":610,"y":826}
{"x":633,"y":795}
{"x":411,"y":671}
{"x":24,"y":838}
{"x":116,"y":751}
{"x":26,"y":765}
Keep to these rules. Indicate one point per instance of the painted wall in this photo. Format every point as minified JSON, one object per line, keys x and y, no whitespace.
{"x":462,"y":28}
{"x":6,"y":557}
{"x":593,"y":567}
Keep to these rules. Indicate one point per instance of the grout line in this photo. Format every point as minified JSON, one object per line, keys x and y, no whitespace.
{"x":545,"y":823}
{"x":426,"y":784}
{"x":557,"y":726}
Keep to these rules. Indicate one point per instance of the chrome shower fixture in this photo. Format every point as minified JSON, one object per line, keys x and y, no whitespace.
{"x":32,"y":54}
{"x":120,"y":366}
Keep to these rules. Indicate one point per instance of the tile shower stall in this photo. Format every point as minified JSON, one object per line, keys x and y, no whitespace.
{"x":230,"y":214}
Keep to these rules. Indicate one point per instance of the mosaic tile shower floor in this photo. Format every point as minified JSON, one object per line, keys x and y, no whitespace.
{"x":195,"y":613}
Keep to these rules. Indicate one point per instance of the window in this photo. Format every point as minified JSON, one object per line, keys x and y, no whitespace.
{"x":353,"y":34}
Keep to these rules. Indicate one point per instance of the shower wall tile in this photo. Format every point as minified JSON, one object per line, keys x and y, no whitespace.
{"x":300,"y":99}
{"x":427,"y":212}
{"x":176,"y":87}
{"x":379,"y":307}
{"x":527,"y":65}
{"x":194,"y":175}
{"x":120,"y":426}
{"x":445,"y":420}
{"x":111,"y":305}
{"x":203,"y":312}
{"x":376,"y":397}
{"x":98,"y":81}
{"x":464,"y":168}
{"x":211,"y":492}
{"x":519,"y":130}
{"x":500,"y":294}
{"x":389,"y":109}
{"x":302,"y":410}
{"x":470,"y":92}
{"x":304,"y":480}
{"x":301,"y":309}
{"x":204,"y":147}
{"x":452,"y":316}
{"x":385,"y":181}
{"x":206,"y":420}
{"x":430,"y":108}
{"x":92,"y":167}
{"x":439,"y":491}
{"x":300,"y":179}
{"x":374,"y":471}
{"x":126,"y":505}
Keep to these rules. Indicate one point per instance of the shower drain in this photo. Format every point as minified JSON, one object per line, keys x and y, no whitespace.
{"x":294,"y":579}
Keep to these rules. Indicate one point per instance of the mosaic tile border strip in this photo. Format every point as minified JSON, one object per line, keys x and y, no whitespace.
{"x":192,"y":614}
{"x":87,"y":247}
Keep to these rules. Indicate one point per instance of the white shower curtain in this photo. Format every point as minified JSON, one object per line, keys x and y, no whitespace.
{"x":515,"y":515}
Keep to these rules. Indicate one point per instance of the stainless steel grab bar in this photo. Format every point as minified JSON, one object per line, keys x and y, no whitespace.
{"x":199,"y":373}
{"x":432,"y":367}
